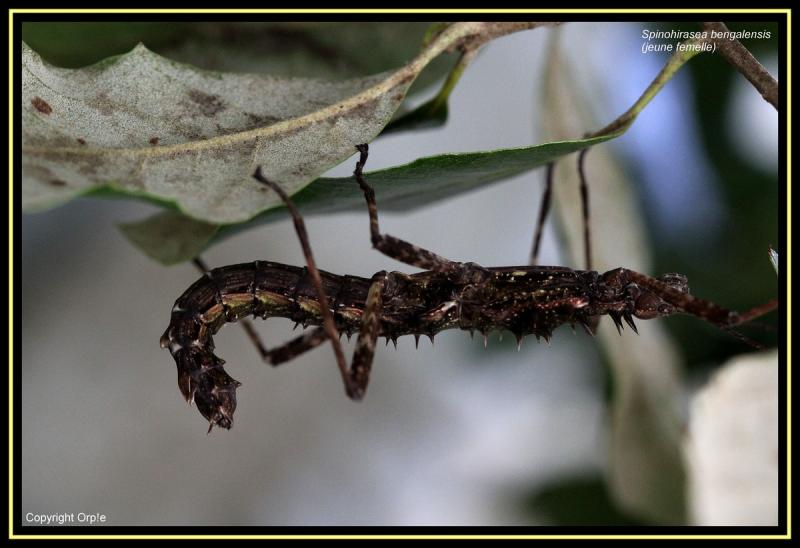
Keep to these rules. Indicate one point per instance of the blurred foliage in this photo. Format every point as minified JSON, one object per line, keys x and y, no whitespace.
{"x":751,"y":199}
{"x":751,"y":217}
{"x":577,"y":501}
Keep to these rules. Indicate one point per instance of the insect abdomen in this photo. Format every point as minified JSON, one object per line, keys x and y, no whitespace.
{"x":232,"y":292}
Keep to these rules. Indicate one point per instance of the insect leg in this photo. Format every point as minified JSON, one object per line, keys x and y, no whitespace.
{"x":389,"y":245}
{"x":721,"y":317}
{"x":327,"y":317}
{"x":544,"y":209}
{"x":290,"y":350}
{"x":587,"y":241}
{"x":368,"y":335}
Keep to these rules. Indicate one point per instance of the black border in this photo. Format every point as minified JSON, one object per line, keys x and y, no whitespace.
{"x":18,"y":19}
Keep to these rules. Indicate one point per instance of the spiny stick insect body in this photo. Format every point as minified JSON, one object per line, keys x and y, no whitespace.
{"x":447,"y":295}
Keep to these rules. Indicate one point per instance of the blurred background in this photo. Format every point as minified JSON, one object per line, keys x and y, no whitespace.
{"x":451,"y":434}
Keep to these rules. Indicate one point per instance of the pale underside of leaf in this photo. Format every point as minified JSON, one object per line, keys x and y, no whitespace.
{"x":146,"y":125}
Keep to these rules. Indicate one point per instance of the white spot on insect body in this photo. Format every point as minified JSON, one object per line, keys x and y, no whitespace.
{"x":174,"y":346}
{"x":442,"y":311}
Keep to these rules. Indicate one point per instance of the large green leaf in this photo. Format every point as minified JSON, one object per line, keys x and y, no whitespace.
{"x":170,"y":237}
{"x":331,"y":50}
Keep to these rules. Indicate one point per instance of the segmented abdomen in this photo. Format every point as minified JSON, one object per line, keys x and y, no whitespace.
{"x":226,"y":294}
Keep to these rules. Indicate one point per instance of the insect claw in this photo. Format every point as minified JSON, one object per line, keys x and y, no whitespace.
{"x":617,"y":322}
{"x":629,"y":320}
{"x":394,"y":341}
{"x":349,"y":334}
{"x":471,"y":333}
{"x":210,"y":426}
{"x":416,"y":340}
{"x":295,"y":325}
{"x":430,"y":336}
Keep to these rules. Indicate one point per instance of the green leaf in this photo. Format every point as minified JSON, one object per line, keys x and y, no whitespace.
{"x":434,"y":112}
{"x":419,"y":183}
{"x":331,"y":50}
{"x":77,"y":44}
{"x":170,"y":234}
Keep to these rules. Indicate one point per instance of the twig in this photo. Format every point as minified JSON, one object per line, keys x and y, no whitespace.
{"x":742,"y":60}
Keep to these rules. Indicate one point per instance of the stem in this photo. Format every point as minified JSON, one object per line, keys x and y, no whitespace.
{"x":452,"y":79}
{"x":742,"y":60}
{"x":678,"y":59}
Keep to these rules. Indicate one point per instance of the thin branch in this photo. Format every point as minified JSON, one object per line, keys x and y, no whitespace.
{"x":742,"y":60}
{"x":689,"y":49}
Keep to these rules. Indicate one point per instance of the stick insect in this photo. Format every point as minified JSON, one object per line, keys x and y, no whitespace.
{"x":445,"y":295}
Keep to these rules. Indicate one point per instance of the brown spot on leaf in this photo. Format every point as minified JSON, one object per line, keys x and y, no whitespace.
{"x":362,"y":110}
{"x":41,"y":105}
{"x":406,"y":79}
{"x":154,"y":141}
{"x":81,"y":141}
{"x":103,"y":103}
{"x":209,"y":104}
{"x":257,"y":120}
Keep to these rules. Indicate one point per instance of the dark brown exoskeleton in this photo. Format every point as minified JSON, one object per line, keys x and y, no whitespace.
{"x":447,"y":295}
